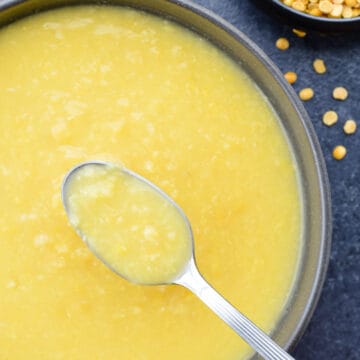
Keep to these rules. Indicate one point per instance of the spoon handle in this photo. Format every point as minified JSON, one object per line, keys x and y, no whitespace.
{"x":255,"y":337}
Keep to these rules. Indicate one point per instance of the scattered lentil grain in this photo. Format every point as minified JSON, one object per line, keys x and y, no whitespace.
{"x":350,"y":127}
{"x":340,"y":93}
{"x":299,"y":33}
{"x":291,"y":77}
{"x":330,"y":118}
{"x":306,"y":94}
{"x":319,"y":66}
{"x":339,"y":152}
{"x":282,"y":44}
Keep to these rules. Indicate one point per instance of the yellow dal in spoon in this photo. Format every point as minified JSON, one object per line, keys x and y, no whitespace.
{"x":128,"y":224}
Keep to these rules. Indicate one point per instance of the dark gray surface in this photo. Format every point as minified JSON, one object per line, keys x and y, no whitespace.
{"x":334,"y":332}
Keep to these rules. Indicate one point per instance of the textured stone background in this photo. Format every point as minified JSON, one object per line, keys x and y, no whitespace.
{"x":334,"y":332}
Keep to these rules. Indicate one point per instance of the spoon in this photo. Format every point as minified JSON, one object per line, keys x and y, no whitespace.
{"x":191,"y":278}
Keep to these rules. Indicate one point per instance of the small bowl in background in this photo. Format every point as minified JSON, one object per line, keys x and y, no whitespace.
{"x":300,"y":20}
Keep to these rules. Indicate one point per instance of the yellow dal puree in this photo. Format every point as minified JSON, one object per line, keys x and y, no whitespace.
{"x":117,"y":84}
{"x":132,"y":227}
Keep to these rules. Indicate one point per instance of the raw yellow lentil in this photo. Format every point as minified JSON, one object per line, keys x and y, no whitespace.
{"x":326,"y":6}
{"x":336,"y":11}
{"x":340,"y":93}
{"x":319,"y":66}
{"x":282,"y":44}
{"x":299,"y":33}
{"x":350,"y":127}
{"x":291,"y":77}
{"x":339,"y":152}
{"x":347,"y":12}
{"x":298,"y":5}
{"x":306,"y":94}
{"x":351,"y":3}
{"x":330,"y":118}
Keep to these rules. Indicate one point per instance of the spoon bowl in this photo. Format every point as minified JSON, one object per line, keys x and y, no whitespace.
{"x":188,"y":275}
{"x":101,"y":164}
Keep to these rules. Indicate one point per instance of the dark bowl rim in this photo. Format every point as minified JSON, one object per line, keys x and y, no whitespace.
{"x":321,"y":171}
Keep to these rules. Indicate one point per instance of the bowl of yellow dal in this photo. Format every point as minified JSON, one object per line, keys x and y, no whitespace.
{"x":178,"y":95}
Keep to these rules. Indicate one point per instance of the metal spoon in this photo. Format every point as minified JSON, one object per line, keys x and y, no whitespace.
{"x":193,"y":280}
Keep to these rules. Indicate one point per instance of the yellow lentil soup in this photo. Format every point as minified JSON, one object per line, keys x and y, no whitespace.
{"x":120,"y":85}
